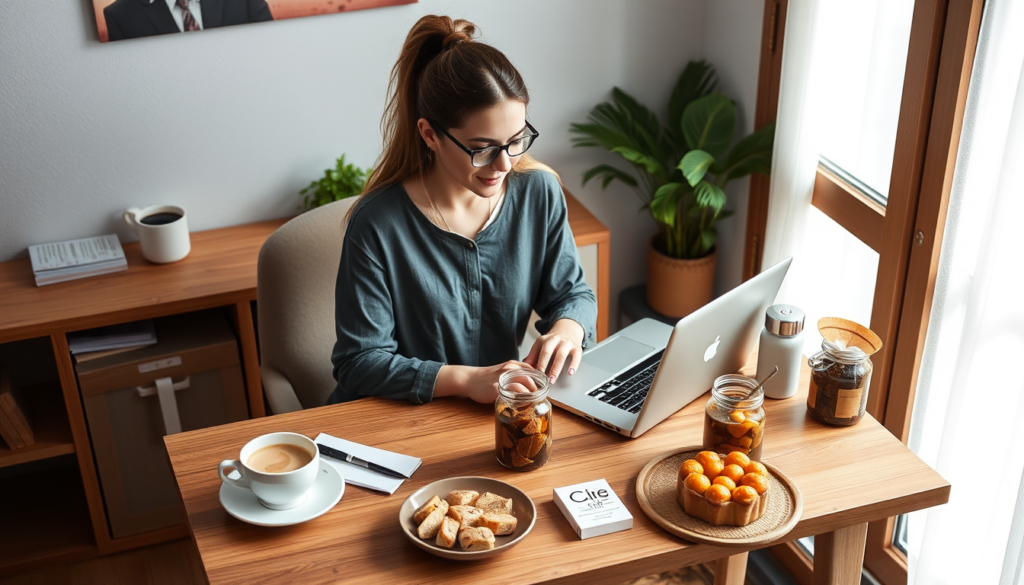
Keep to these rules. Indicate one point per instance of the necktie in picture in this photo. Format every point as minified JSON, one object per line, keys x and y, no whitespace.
{"x":188,"y":21}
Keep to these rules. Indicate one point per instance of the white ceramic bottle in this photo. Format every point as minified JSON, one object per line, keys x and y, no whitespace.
{"x":782,"y":341}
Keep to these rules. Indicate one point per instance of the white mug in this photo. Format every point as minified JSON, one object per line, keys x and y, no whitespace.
{"x":277,"y":491}
{"x":162,"y":241}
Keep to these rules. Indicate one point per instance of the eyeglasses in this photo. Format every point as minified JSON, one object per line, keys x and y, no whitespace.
{"x":481,"y":157}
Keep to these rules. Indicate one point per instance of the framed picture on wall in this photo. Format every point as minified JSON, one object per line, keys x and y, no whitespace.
{"x":129,"y":19}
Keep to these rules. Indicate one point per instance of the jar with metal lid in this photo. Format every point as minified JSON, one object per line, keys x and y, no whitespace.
{"x":841,"y":372}
{"x":781,"y":344}
{"x":522,"y":420}
{"x":734,"y":418}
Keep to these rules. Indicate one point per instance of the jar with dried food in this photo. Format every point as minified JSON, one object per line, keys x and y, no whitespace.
{"x":522,"y":420}
{"x":841,"y":372}
{"x":734,"y":418}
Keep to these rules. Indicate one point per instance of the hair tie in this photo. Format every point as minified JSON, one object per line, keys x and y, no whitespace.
{"x":454,"y":38}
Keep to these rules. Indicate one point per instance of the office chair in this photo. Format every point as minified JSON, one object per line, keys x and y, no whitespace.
{"x":298,"y":266}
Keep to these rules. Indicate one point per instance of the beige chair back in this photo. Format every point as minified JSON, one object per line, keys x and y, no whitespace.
{"x":298,"y":267}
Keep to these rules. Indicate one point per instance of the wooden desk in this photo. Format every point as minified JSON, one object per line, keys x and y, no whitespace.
{"x":219,"y":272}
{"x":848,"y":477}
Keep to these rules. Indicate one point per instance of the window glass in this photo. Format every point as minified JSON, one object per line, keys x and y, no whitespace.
{"x":861,"y":54}
{"x":833,"y":276}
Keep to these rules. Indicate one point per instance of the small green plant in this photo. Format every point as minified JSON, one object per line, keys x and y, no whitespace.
{"x":684,"y":165}
{"x":344,"y":180}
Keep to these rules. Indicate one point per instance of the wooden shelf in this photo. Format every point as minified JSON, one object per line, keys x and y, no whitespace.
{"x":49,"y":420}
{"x":45,"y":518}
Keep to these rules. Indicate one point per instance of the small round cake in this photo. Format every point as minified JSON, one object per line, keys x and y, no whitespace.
{"x":728,"y":497}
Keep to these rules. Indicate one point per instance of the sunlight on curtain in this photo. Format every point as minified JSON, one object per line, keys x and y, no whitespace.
{"x":842,"y":278}
{"x":833,"y":273}
{"x":970,"y":396}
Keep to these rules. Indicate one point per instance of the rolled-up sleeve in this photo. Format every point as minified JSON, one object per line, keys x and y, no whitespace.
{"x":563,"y":292}
{"x":365,"y":358}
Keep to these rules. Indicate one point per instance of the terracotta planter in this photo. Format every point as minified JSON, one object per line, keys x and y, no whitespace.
{"x":677,"y":287}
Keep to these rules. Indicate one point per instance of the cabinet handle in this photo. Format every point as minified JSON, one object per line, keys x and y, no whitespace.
{"x":151,"y":389}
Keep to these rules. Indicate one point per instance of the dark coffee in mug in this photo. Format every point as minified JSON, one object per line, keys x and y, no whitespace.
{"x":160,"y":218}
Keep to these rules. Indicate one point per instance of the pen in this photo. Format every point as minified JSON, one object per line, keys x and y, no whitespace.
{"x":342,"y":456}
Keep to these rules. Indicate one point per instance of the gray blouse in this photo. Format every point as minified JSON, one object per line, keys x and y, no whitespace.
{"x":411,"y":297}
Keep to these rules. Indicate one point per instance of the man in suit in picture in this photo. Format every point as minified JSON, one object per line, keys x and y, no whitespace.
{"x":127,"y":19}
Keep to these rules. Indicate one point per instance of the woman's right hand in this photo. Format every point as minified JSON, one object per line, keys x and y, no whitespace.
{"x":479,"y":384}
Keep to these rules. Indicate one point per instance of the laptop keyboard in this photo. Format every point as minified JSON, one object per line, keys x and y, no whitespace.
{"x":628,"y":390}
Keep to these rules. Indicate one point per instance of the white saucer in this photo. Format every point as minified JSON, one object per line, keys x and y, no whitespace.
{"x":325,"y":493}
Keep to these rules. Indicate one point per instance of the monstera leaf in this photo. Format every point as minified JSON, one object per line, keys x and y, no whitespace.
{"x":708,"y":124}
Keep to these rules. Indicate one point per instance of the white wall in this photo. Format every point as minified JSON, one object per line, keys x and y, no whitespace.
{"x":231,"y":123}
{"x":732,"y":42}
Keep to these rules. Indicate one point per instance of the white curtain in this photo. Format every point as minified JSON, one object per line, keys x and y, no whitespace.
{"x":968,"y":420}
{"x":795,"y":157}
{"x":794,"y":227}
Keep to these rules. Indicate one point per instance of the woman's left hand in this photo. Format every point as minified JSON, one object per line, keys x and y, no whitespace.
{"x":550,"y":351}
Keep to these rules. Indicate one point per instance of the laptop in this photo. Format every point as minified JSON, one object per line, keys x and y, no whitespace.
{"x":645,"y":373}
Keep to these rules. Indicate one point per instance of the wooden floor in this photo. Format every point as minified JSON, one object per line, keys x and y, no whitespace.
{"x":177,"y":563}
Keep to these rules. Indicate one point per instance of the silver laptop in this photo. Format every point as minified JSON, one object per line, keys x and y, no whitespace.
{"x":648,"y":371}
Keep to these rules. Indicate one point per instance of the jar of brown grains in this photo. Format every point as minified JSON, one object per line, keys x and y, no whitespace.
{"x":841,"y":372}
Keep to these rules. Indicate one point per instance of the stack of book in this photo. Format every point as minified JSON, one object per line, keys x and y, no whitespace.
{"x":61,"y":261}
{"x":14,"y":427}
{"x":112,"y":339}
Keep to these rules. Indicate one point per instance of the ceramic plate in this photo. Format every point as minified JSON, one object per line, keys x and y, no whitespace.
{"x":325,"y":493}
{"x":522,"y":508}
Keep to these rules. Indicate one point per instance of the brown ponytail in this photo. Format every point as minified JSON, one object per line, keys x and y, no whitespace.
{"x":444,"y":76}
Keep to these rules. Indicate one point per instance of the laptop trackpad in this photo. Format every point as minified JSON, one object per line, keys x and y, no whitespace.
{"x":616,"y":355}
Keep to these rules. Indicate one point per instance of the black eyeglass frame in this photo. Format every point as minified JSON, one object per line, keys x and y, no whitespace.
{"x":475,"y":151}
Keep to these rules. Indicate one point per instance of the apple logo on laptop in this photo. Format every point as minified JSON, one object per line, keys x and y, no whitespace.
{"x":712,"y":349}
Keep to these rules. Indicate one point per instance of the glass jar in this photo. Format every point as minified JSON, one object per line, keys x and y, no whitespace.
{"x":522,"y":420}
{"x":840,"y":377}
{"x":734,"y":421}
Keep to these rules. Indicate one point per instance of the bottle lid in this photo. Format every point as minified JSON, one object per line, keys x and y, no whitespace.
{"x":784,"y":320}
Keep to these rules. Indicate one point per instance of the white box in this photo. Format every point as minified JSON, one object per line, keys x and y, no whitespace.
{"x":592,"y":508}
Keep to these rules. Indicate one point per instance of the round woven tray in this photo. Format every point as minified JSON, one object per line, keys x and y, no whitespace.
{"x":656,"y":491}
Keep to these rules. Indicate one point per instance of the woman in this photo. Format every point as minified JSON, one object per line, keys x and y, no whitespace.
{"x":458,"y":237}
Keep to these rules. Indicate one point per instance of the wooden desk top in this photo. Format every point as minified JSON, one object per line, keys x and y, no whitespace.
{"x":847,"y":476}
{"x":220,"y":270}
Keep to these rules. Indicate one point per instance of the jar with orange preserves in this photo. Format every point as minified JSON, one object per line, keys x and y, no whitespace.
{"x":734,"y":421}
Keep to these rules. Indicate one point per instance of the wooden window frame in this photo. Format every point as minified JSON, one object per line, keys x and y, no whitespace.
{"x":907,"y":232}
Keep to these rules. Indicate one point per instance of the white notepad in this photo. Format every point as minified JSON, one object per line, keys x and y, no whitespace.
{"x":592,"y":508}
{"x":363,"y":477}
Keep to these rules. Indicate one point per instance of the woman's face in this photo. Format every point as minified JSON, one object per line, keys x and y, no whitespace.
{"x":495,"y":126}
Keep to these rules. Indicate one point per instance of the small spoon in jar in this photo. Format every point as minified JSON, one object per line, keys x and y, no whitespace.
{"x":766,"y":378}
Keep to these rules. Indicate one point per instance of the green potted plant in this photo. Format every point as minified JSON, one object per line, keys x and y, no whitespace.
{"x":344,"y":180}
{"x":679,"y":170}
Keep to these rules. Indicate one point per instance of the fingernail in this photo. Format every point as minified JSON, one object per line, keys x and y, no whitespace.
{"x":553,"y":378}
{"x":572,"y":371}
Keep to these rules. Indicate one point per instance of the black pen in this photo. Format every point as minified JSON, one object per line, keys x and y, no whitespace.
{"x":342,"y":456}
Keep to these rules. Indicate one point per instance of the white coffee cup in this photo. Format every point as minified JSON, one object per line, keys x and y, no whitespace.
{"x":162,"y":232}
{"x":277,"y":491}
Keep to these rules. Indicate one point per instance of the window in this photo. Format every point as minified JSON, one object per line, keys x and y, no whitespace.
{"x":891,"y":93}
{"x":862,"y":47}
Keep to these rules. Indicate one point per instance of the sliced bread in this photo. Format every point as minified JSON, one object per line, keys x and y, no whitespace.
{"x":448,"y":533}
{"x":499,"y":524}
{"x":477,"y":538}
{"x":432,"y":523}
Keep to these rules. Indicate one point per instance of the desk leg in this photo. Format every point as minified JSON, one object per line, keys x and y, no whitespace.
{"x":731,"y":570}
{"x":839,"y":555}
